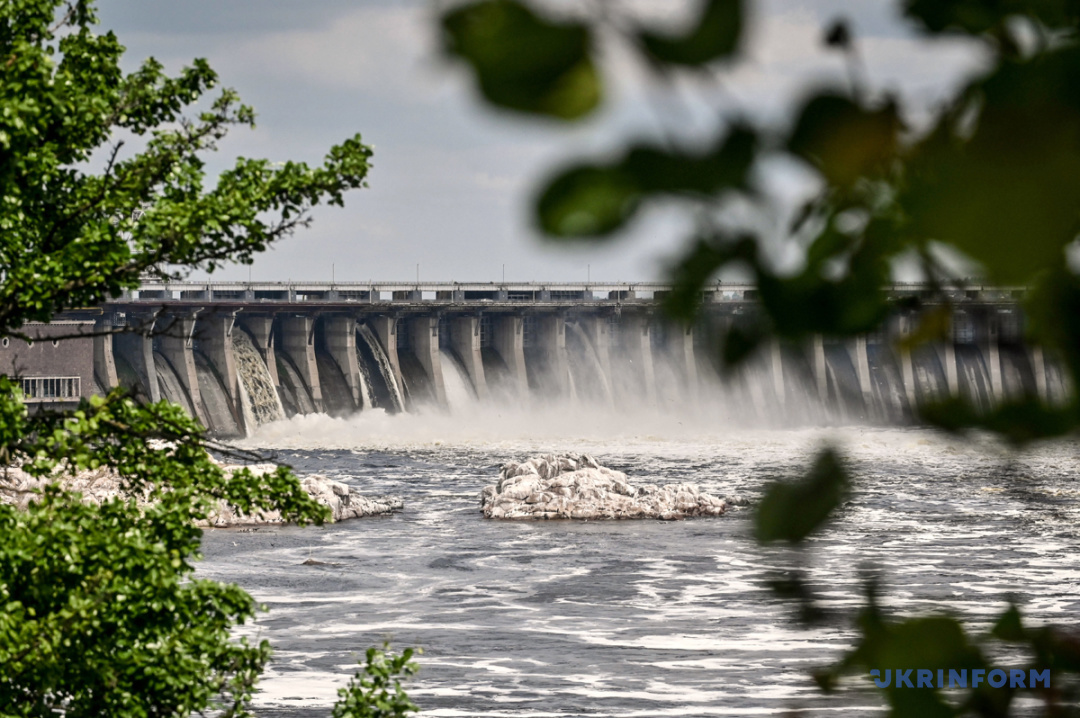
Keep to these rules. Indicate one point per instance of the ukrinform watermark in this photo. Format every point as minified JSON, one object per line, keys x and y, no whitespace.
{"x":996,"y":678}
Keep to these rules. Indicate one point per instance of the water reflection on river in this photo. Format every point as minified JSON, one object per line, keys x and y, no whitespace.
{"x":632,"y":618}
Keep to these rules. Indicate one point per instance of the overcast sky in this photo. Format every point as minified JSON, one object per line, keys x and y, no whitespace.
{"x":452,"y":181}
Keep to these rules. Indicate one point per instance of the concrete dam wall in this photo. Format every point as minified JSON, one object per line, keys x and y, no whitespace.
{"x":237,"y":356}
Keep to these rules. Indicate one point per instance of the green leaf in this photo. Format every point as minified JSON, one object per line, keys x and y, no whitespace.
{"x":1053,"y":311}
{"x":977,"y":17}
{"x":791,"y":511}
{"x":838,"y":35}
{"x":714,"y":36}
{"x":814,"y":302}
{"x":1002,"y":189}
{"x":792,"y":586}
{"x":740,"y":342}
{"x":928,"y":642}
{"x":931,"y":643}
{"x":843,"y":140}
{"x":1057,"y":648}
{"x":697,"y":267}
{"x":595,"y":200}
{"x":970,"y":16}
{"x":1010,"y":627}
{"x":522,"y":61}
{"x":588,"y":201}
{"x":1019,"y":421}
{"x":375,"y":691}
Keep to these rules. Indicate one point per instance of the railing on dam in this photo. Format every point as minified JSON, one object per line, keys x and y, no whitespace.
{"x":481,"y":293}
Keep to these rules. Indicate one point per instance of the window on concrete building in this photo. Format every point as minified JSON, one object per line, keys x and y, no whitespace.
{"x":51,"y":388}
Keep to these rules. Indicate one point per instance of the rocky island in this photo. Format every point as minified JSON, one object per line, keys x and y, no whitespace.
{"x":576,"y":486}
{"x":20,"y":488}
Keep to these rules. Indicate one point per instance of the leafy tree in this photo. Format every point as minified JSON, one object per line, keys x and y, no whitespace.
{"x":993,"y":176}
{"x":375,"y":691}
{"x":101,"y":614}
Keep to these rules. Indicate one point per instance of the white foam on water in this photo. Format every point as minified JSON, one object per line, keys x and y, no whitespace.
{"x":476,"y":426}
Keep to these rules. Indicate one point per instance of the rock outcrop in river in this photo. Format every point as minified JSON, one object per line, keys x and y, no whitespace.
{"x":342,"y":501}
{"x":575,"y":486}
{"x":19,"y":489}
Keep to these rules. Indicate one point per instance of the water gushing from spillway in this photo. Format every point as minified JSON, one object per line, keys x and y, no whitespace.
{"x":637,"y":369}
{"x":587,"y":374}
{"x":459,"y":391}
{"x":260,"y":399}
{"x":366,"y":397}
{"x":366,"y":340}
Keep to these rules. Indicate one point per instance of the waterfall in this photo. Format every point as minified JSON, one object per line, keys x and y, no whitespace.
{"x":368,"y":402}
{"x":931,"y":384}
{"x":974,"y":378}
{"x":833,"y":397}
{"x":260,"y":399}
{"x":587,"y":375}
{"x":459,"y":391}
{"x":754,"y":375}
{"x":370,"y":354}
{"x":848,"y":392}
{"x":887,"y":385}
{"x":671,"y":389}
{"x":245,"y":408}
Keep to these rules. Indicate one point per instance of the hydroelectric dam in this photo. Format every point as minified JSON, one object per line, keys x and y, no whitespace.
{"x":237,"y":355}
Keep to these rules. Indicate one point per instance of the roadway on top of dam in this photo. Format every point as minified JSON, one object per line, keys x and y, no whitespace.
{"x":502,"y":296}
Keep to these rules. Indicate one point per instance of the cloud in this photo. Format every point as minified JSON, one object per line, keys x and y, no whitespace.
{"x":379,"y":50}
{"x":496,"y":182}
{"x":214,"y":17}
{"x":453,"y":180}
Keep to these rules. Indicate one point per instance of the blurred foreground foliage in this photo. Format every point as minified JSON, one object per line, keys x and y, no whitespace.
{"x":991,"y":175}
{"x":100,"y":613}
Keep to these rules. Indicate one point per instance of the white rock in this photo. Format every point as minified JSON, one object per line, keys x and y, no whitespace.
{"x":576,"y":486}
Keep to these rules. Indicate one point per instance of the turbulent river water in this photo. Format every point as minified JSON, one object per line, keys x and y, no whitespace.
{"x":635,"y":618}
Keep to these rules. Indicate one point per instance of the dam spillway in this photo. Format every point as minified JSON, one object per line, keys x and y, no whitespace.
{"x":239,"y":355}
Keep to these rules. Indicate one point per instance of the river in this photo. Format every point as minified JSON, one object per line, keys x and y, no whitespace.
{"x":640,"y":618}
